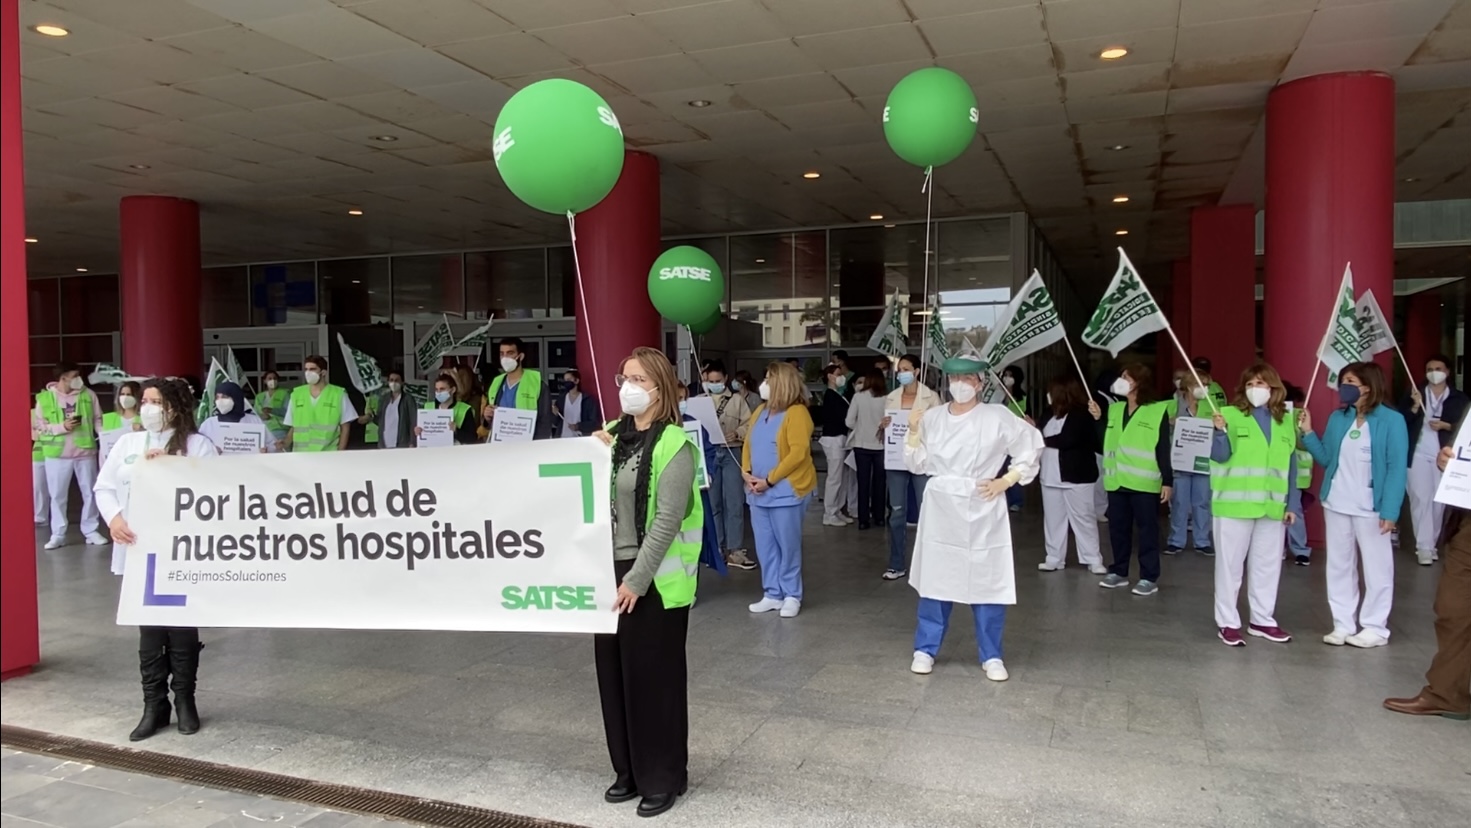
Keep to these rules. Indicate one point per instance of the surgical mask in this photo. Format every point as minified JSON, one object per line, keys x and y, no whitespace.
{"x":127,"y":401}
{"x":683,"y":407}
{"x":442,"y":396}
{"x":1198,"y":392}
{"x":271,"y":384}
{"x":1121,"y":387}
{"x":1258,"y":396}
{"x":1349,"y":394}
{"x":395,"y":387}
{"x":765,"y":390}
{"x":152,"y":417}
{"x":905,"y":377}
{"x":1435,"y":377}
{"x":1179,"y":383}
{"x":1049,"y":398}
{"x":75,"y":384}
{"x":224,"y":405}
{"x":962,"y":392}
{"x":859,"y":385}
{"x":634,"y":399}
{"x":1008,"y":381}
{"x":842,"y":381}
{"x":509,"y":364}
{"x":735,"y":385}
{"x":716,"y":388}
{"x":312,"y":377}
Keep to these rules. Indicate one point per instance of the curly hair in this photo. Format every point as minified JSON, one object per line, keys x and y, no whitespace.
{"x":178,"y":411}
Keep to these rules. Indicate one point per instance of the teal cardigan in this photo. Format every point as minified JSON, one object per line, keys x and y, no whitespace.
{"x":1389,"y":445}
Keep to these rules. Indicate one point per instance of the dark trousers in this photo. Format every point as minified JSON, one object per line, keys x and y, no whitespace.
{"x":1131,"y":512}
{"x":871,"y":485}
{"x":644,"y":687}
{"x":1449,"y":677}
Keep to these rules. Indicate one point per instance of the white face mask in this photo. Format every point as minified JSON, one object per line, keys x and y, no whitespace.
{"x":395,"y":387}
{"x":683,"y":407}
{"x":509,"y":364}
{"x":1049,"y":398}
{"x":1179,"y":383}
{"x":1435,"y":377}
{"x":1121,"y":387}
{"x":271,"y":385}
{"x":1197,"y":392}
{"x":1008,"y":381}
{"x":152,"y":417}
{"x":127,"y":401}
{"x":75,"y":384}
{"x":1258,"y":396}
{"x":312,"y":377}
{"x":224,"y":405}
{"x":765,"y":391}
{"x":634,"y":399}
{"x":963,"y":392}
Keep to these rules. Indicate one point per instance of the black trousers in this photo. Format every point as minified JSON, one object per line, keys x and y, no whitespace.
{"x":644,"y":686}
{"x":1129,"y":512}
{"x":872,"y":487}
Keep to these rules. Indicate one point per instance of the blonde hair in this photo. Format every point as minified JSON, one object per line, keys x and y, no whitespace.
{"x":784,"y":386}
{"x":666,"y":404}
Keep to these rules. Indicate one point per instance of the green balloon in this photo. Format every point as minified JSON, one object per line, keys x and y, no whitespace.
{"x":930,"y":117}
{"x":686,"y":285}
{"x":558,"y":146}
{"x":702,"y":328}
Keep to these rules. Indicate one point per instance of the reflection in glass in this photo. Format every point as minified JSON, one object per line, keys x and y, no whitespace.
{"x":509,"y":284}
{"x":89,"y":304}
{"x":355,"y":291}
{"x":283,"y":294}
{"x":427,"y":288}
{"x":782,"y":272}
{"x":224,"y":297}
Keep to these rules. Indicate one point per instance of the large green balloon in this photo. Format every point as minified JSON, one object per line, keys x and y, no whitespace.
{"x":930,"y":117}
{"x":702,"y":328}
{"x":686,"y":285}
{"x":558,"y":146}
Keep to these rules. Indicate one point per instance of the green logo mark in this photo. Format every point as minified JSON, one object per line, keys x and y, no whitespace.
{"x":581,"y":471}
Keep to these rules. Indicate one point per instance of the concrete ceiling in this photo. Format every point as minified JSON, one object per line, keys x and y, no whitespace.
{"x":269,"y":112}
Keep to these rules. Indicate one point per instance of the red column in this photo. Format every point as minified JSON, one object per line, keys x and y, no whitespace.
{"x":1424,"y":331}
{"x":617,"y":242}
{"x":20,"y":638}
{"x":1330,"y":201}
{"x":159,"y":286}
{"x":1223,"y":289}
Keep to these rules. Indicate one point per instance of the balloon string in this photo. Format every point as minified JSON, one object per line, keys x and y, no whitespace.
{"x":929,"y":190}
{"x":597,"y":369}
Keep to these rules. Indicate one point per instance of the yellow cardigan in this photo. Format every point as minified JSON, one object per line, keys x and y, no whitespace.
{"x":793,"y":450}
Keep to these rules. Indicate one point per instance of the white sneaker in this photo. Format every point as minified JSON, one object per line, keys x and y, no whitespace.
{"x":1426,"y":556}
{"x":96,"y":539}
{"x":55,"y":543}
{"x":847,"y":520}
{"x":1098,"y":569}
{"x":766,"y":605}
{"x":1103,"y":518}
{"x":1336,"y":638}
{"x":1048,"y":566}
{"x":790,"y":607}
{"x":923,"y":663}
{"x":1366,"y":640}
{"x":995,"y":670}
{"x":832,"y":521}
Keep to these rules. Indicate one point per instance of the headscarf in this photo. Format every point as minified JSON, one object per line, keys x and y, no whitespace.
{"x":232,"y":391}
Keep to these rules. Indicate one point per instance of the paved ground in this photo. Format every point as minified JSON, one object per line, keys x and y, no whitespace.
{"x":1120,"y":711}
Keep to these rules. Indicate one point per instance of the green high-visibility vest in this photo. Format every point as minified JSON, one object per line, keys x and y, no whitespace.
{"x":316,"y":424}
{"x":1128,"y":451}
{"x":460,"y":409}
{"x":1218,"y":395}
{"x":1304,"y":457}
{"x":37,"y":456}
{"x":52,"y":412}
{"x":370,"y":431}
{"x":276,"y":401}
{"x":528,"y":391}
{"x":678,"y":572}
{"x":112,"y":421}
{"x":1253,"y":483}
{"x":1016,"y":408}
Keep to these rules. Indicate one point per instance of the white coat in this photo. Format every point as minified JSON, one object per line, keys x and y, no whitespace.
{"x":962,"y":550}
{"x":115,"y":481}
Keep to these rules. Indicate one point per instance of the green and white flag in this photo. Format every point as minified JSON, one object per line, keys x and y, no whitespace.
{"x":1375,"y":334}
{"x":1128,"y":311}
{"x":1341,"y":343}
{"x":362,"y":369}
{"x":1029,"y":324}
{"x":418,"y":390}
{"x":108,"y":374}
{"x":215,"y":376}
{"x":476,"y":339}
{"x":434,"y":345}
{"x":236,"y":373}
{"x":939,"y":348}
{"x":889,"y":338}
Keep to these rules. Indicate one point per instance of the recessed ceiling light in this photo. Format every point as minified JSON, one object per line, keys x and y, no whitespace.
{"x":50,"y":30}
{"x":876,"y":217}
{"x":1121,"y":232}
{"x":889,"y":225}
{"x":1120,"y":199}
{"x":139,"y":166}
{"x":760,"y":261}
{"x":81,"y":270}
{"x":354,"y":212}
{"x":1113,"y":53}
{"x":1119,"y":147}
{"x":1410,"y":180}
{"x":387,"y":139}
{"x":357,"y":281}
{"x":812,"y":174}
{"x":699,"y":104}
{"x":31,"y":240}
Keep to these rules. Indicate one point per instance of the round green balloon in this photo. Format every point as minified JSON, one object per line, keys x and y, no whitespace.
{"x":930,"y":117}
{"x":686,"y":285}
{"x":708,"y":325}
{"x":558,"y":146}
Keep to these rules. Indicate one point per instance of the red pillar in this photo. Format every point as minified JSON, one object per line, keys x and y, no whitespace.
{"x":617,"y":242}
{"x":1424,"y":332}
{"x":1223,"y":289}
{"x":1329,"y":202}
{"x":159,"y":286}
{"x":20,"y":637}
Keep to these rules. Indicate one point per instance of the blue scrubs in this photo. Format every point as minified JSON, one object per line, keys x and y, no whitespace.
{"x":776,"y":515}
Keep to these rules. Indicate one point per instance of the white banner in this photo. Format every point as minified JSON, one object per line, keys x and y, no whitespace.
{"x":1190,"y":451}
{"x":106,"y":440}
{"x":894,"y":437}
{"x":241,"y":438}
{"x":375,"y":540}
{"x":436,"y":427}
{"x":697,"y":436}
{"x":1455,"y":484}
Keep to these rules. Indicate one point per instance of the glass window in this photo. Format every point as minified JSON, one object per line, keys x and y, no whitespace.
{"x":44,"y":305}
{"x":808,"y":329}
{"x":561,"y":282}
{"x":974,"y":260}
{"x":283,"y":294}
{"x":780,"y":270}
{"x":224,"y":294}
{"x":45,"y":351}
{"x":89,"y":304}
{"x":509,"y":284}
{"x":870,"y":263}
{"x":88,"y":350}
{"x":425,"y":288}
{"x":355,"y":291}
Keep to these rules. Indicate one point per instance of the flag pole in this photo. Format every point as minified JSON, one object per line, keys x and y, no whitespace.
{"x":1004,"y":389}
{"x":1170,"y":329}
{"x":1076,"y":364}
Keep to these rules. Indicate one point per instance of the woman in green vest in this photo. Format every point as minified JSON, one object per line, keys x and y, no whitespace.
{"x":446,"y":399}
{"x":1136,"y":473}
{"x":270,"y":404}
{"x":1253,"y":483}
{"x":125,"y":408}
{"x":657,"y":530}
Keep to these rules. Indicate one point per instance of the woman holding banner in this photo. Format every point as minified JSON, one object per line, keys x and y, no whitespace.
{"x":911,"y":396}
{"x":229,"y":408}
{"x":167,"y":415}
{"x":1364,"y":450}
{"x":657,"y":530}
{"x":1190,"y":504}
{"x":447,"y":398}
{"x":1136,"y":473}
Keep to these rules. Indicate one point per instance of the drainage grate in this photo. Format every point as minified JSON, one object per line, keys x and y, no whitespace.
{"x":429,"y":812}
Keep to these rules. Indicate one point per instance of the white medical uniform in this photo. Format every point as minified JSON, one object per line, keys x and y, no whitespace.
{"x":115,"y":481}
{"x":1423,"y":477}
{"x":1065,"y":504}
{"x":1349,"y":521}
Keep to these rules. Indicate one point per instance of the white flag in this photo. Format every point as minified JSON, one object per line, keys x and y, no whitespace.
{"x":888,"y":338}
{"x":216,"y":376}
{"x":1127,"y":312}
{"x":108,"y":374}
{"x":1340,"y":344}
{"x":434,"y":345}
{"x":1029,"y":324}
{"x":939,"y":347}
{"x":476,"y":339}
{"x":236,"y":373}
{"x":1375,"y":334}
{"x":362,"y":369}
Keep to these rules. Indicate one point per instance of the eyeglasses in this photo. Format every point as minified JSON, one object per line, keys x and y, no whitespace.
{"x":621,"y":380}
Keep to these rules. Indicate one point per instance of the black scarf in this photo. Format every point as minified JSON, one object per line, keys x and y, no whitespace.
{"x":629,"y":443}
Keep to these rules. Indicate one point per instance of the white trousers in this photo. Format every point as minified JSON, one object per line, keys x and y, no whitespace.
{"x":842,"y":482}
{"x":1425,"y":513}
{"x":1351,"y":541}
{"x":1100,"y":494}
{"x":59,"y":474}
{"x":1253,"y":547}
{"x":38,"y":492}
{"x":1064,"y":506}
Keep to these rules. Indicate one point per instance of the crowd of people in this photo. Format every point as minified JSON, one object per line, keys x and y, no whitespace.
{"x":892,"y":445}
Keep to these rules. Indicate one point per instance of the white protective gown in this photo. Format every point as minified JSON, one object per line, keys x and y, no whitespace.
{"x":962,"y":550}
{"x":114,"y":485}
